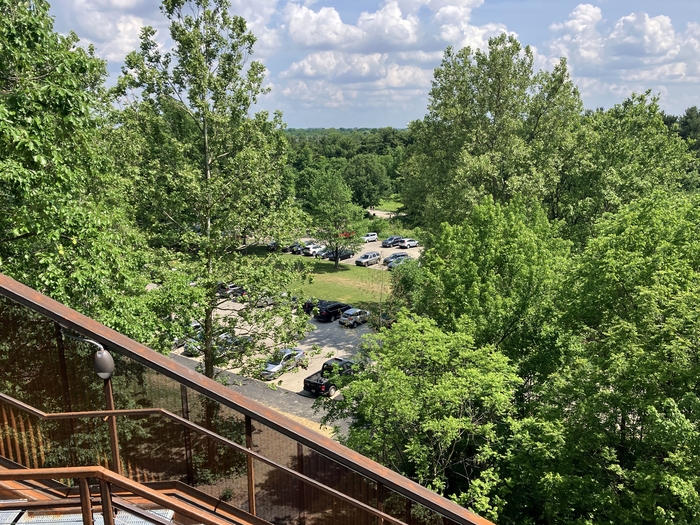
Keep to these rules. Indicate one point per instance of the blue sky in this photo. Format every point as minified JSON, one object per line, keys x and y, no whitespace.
{"x":368,"y":63}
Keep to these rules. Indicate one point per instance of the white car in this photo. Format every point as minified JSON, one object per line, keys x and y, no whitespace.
{"x":370,"y":237}
{"x":315,"y":250}
{"x":407,"y":243}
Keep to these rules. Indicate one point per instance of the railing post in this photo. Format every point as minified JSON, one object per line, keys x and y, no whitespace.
{"x":85,"y":502}
{"x":251,"y":467}
{"x":112,"y":422}
{"x":188,"y":440}
{"x":106,"y":496}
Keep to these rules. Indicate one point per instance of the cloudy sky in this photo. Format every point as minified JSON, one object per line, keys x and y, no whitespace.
{"x":369,"y":63}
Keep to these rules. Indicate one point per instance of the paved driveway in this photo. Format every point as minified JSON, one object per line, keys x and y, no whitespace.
{"x":333,"y":341}
{"x":286,"y":393}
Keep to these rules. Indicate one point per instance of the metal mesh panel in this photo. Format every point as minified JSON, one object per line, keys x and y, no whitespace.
{"x":334,"y":475}
{"x":43,"y":369}
{"x":34,"y":443}
{"x":276,"y":495}
{"x":152,"y":449}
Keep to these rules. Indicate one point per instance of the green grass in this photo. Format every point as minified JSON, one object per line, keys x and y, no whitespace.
{"x":357,"y":285}
{"x":390,"y":205}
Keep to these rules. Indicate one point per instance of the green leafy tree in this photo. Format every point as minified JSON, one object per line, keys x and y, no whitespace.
{"x":211,"y":178}
{"x":430,"y":405}
{"x":619,"y":155}
{"x":64,"y":229}
{"x":689,"y":127}
{"x":614,"y":437}
{"x":494,"y":127}
{"x":337,"y":220}
{"x":368,"y":180}
{"x":494,"y":276}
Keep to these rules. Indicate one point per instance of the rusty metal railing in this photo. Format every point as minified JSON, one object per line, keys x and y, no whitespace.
{"x":252,"y":410}
{"x":108,"y":479}
{"x":212,"y":435}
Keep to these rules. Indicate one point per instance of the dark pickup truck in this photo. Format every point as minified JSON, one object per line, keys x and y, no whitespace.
{"x":319,"y":383}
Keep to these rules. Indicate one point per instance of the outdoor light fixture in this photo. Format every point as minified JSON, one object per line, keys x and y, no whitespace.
{"x":104,"y":368}
{"x":104,"y":364}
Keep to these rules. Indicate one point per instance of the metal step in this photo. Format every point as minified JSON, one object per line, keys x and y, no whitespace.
{"x":121,"y":518}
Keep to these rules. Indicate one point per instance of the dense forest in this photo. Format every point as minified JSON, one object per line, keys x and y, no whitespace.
{"x":544,"y":366}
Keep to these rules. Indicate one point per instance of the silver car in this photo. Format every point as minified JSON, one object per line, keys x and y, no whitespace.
{"x":368,"y":258}
{"x":281,"y":361}
{"x":353,"y":317}
{"x":370,"y":237}
{"x":407,"y":243}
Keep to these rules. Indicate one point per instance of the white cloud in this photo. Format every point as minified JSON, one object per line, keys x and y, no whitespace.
{"x":464,"y":34}
{"x":634,"y":53}
{"x":311,"y":28}
{"x":580,"y":39}
{"x":330,"y":64}
{"x":405,"y":76}
{"x":420,"y":56}
{"x":315,"y":93}
{"x":666,"y":72}
{"x":389,"y":24}
{"x":641,"y":35}
{"x":369,"y":70}
{"x":125,"y":40}
{"x":440,"y":7}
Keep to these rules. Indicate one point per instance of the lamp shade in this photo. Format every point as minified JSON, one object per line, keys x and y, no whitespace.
{"x":104,"y":364}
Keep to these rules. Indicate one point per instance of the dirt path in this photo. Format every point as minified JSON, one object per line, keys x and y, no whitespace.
{"x":384,"y":214}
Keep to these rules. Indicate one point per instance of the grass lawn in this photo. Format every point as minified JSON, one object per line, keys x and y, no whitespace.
{"x":389,"y":205}
{"x":357,"y":285}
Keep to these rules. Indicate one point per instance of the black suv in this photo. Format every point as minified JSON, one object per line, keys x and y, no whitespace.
{"x":391,"y":241}
{"x":330,"y":311}
{"x":313,"y":303}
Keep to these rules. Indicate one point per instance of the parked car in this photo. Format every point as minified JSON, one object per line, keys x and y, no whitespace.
{"x":310,"y":304}
{"x":407,"y":243}
{"x":325,"y":254}
{"x":370,"y":237}
{"x":273,"y":246}
{"x":319,"y":382}
{"x":353,"y":317}
{"x":281,"y":361}
{"x":229,"y":290}
{"x":265,"y":300}
{"x":291,"y":248}
{"x":386,"y":319}
{"x":396,"y":262}
{"x":391,"y":241}
{"x":369,"y":258}
{"x":342,"y":255}
{"x":299,"y":247}
{"x":394,"y":257}
{"x":330,"y":311}
{"x":314,"y":250}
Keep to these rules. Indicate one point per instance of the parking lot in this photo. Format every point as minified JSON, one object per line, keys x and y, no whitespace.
{"x":333,"y":340}
{"x":326,"y":340}
{"x":376,"y":246}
